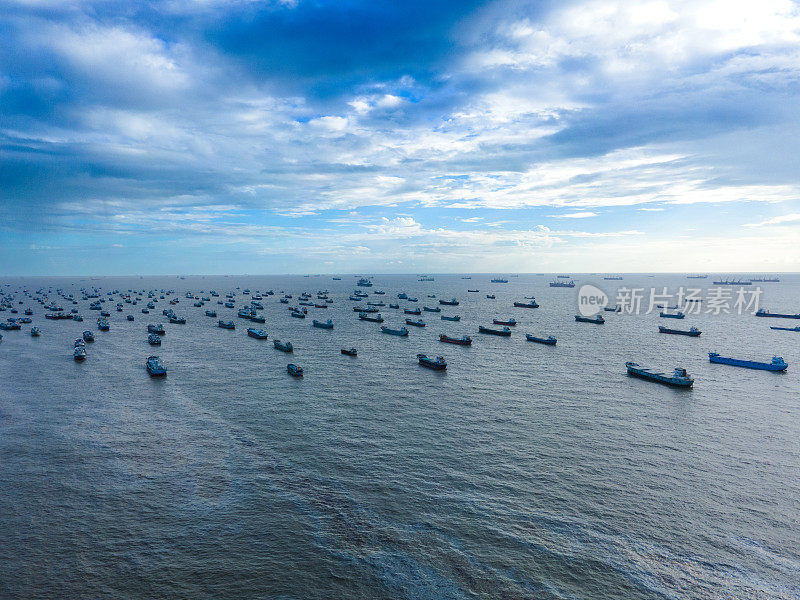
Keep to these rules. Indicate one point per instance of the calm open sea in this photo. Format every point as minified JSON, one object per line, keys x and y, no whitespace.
{"x":523,"y":471}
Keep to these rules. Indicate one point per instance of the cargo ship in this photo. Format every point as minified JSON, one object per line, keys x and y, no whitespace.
{"x":549,"y":340}
{"x":679,"y":378}
{"x":372,"y":319}
{"x":510,"y":322}
{"x":598,"y":320}
{"x":283,"y":346}
{"x":762,"y":312}
{"x":531,"y":304}
{"x":155,"y":368}
{"x":464,"y":340}
{"x":691,"y":332}
{"x":733,"y":282}
{"x":439,"y":364}
{"x":505,"y":331}
{"x":402,"y":332}
{"x":776,"y":364}
{"x":675,"y":315}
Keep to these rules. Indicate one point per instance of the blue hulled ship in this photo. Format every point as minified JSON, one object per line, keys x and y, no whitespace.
{"x":401,"y":332}
{"x":776,"y":364}
{"x":155,"y":368}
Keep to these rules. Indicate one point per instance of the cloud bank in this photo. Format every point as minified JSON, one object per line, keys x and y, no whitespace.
{"x":274,"y":136}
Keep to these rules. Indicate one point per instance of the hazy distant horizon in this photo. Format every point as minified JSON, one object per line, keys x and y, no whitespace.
{"x":574,"y":274}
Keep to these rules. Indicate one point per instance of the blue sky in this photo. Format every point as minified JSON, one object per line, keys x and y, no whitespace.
{"x":364,"y":136}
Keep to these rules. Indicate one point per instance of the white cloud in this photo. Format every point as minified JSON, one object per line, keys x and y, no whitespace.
{"x":577,"y":215}
{"x":118,"y":56}
{"x":329,"y":125}
{"x":781,"y":220}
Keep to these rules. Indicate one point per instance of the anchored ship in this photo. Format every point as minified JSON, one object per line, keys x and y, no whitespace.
{"x":464,"y":340}
{"x":692,"y":331}
{"x":776,"y":364}
{"x":679,"y":378}
{"x":549,"y":340}
{"x":598,"y":320}
{"x":761,"y":312}
{"x":531,"y":304}
{"x":439,"y":364}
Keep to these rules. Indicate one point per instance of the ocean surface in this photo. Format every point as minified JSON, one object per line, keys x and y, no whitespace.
{"x":523,"y":471}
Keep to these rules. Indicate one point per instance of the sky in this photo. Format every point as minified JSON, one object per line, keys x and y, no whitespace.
{"x":350,"y":136}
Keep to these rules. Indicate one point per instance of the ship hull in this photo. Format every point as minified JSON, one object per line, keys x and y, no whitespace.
{"x":494,"y":332}
{"x":659,"y":378}
{"x":456,"y":341}
{"x":588,"y":320}
{"x":747,"y":364}
{"x":433,"y":365}
{"x":538,"y":340}
{"x":679,"y":332}
{"x":397,"y":332}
